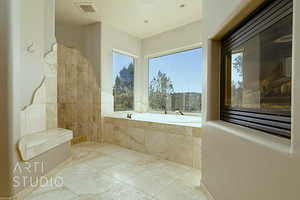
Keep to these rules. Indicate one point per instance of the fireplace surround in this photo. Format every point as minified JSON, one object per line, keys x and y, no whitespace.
{"x":256,"y":70}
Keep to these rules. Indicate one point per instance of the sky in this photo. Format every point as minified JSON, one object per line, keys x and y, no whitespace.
{"x":120,"y":61}
{"x":183,"y":68}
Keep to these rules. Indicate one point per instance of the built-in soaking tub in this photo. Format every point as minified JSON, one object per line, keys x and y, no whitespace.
{"x":173,"y":137}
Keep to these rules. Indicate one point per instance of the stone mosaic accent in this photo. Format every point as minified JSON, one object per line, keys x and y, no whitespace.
{"x":176,"y":143}
{"x":78,"y":95}
{"x":41,"y":113}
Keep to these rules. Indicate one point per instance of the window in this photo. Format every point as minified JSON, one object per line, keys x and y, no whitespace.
{"x":175,"y":82}
{"x":123,"y":77}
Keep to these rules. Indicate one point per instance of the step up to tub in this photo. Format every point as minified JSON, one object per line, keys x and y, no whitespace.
{"x":35,"y":144}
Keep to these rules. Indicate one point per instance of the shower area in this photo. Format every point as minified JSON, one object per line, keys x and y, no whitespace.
{"x":78,"y":82}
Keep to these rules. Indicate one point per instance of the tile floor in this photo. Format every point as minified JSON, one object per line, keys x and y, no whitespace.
{"x":109,"y":172}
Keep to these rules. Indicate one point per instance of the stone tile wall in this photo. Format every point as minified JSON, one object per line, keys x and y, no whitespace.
{"x":180,"y":144}
{"x":78,"y":96}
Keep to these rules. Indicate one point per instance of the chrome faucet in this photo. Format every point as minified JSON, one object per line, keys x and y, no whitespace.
{"x":179,"y":112}
{"x":165,"y":109}
{"x":129,"y":116}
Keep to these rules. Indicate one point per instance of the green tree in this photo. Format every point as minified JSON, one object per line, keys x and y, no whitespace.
{"x":160,"y":88}
{"x":238,"y":64}
{"x":237,"y":83}
{"x":123,"y":89}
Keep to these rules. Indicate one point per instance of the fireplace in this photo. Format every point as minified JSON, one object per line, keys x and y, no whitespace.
{"x":256,"y":70}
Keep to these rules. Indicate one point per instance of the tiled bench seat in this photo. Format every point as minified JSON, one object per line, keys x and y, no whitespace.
{"x":35,"y":144}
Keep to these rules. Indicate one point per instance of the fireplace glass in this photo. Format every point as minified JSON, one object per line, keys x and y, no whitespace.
{"x":258,"y":72}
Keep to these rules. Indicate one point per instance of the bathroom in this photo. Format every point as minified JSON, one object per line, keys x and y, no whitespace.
{"x":123,"y":100}
{"x":77,"y":124}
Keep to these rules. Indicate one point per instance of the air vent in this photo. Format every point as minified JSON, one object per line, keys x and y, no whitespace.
{"x":86,"y":7}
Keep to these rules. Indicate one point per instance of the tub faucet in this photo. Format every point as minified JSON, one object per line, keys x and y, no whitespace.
{"x":129,"y":116}
{"x":179,"y":112}
{"x":165,"y":109}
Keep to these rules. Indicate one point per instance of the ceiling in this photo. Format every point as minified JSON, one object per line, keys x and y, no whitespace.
{"x":130,"y":15}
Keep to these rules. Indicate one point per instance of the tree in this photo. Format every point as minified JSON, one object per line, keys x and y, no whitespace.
{"x":117,"y":85}
{"x":238,"y":63}
{"x":123,"y":89}
{"x":237,"y":83}
{"x":126,"y":76}
{"x":161,"y":87}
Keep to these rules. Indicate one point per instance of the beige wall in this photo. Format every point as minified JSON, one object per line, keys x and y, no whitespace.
{"x":86,"y":39}
{"x":32,"y":16}
{"x":49,"y":25}
{"x":183,"y":36}
{"x":70,"y":36}
{"x":239,"y":163}
{"x":92,"y":47}
{"x":9,"y":66}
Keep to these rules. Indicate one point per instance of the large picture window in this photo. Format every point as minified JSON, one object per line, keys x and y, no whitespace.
{"x":123,"y":85}
{"x":175,"y":82}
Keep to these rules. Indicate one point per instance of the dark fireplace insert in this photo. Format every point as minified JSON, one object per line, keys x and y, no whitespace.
{"x":256,"y":70}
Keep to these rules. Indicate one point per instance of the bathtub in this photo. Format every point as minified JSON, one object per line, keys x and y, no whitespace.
{"x":173,"y":137}
{"x":182,"y":120}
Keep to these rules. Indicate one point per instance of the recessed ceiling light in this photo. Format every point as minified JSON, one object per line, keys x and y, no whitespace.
{"x":146,"y":21}
{"x":182,"y":5}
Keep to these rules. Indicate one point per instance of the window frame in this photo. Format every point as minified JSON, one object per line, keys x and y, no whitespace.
{"x":166,"y":53}
{"x":134,"y":57}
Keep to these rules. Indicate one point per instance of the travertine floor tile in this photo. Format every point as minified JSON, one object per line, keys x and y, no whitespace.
{"x":150,"y":183}
{"x":125,"y":193}
{"x":124,"y":172}
{"x":178,"y":191}
{"x":109,"y":149}
{"x":109,"y":172}
{"x":92,"y":184}
{"x":131,"y":156}
{"x":102,"y":163}
{"x":191,"y":178}
{"x":166,"y":168}
{"x":61,"y":193}
{"x":83,"y":155}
